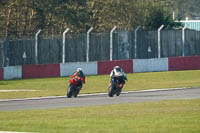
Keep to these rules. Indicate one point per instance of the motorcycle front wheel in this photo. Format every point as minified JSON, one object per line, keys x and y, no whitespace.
{"x":110,"y":91}
{"x":69,"y":91}
{"x":119,"y":91}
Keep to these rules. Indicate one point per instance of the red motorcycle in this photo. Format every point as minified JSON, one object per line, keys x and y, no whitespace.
{"x":74,"y":87}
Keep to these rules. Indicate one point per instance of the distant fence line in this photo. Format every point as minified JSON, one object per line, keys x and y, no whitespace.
{"x":19,"y":52}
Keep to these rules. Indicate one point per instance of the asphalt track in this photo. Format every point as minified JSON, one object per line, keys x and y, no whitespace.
{"x":99,"y":99}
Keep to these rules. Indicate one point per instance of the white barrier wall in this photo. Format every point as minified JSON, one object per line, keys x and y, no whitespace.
{"x":13,"y":72}
{"x":150,"y":65}
{"x":89,"y":68}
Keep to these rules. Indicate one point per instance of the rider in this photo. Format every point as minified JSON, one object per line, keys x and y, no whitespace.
{"x":80,"y":76}
{"x":121,"y":78}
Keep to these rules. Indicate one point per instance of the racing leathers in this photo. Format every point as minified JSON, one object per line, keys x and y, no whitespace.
{"x":120,"y":75}
{"x":79,"y":75}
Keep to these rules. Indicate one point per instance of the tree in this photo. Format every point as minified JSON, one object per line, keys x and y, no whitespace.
{"x":158,"y":17}
{"x":70,"y":13}
{"x":24,"y":17}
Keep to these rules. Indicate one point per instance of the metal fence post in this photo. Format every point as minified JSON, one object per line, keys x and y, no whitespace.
{"x":88,"y":43}
{"x":159,"y":48}
{"x":63,"y":47}
{"x":111,"y":43}
{"x":135,"y":47}
{"x":183,"y":40}
{"x":173,"y":16}
{"x":36,"y":46}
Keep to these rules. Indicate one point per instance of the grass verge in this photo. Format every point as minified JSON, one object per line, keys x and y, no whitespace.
{"x":182,"y":116}
{"x":96,"y":84}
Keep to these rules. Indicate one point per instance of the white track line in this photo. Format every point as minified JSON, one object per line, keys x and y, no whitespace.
{"x":17,"y":91}
{"x":94,"y":94}
{"x":12,"y":132}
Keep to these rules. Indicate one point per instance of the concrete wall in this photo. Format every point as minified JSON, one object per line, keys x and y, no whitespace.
{"x":101,"y":67}
{"x":1,"y":74}
{"x":105,"y":67}
{"x":89,"y":68}
{"x":13,"y":72}
{"x":40,"y":71}
{"x":150,"y":65}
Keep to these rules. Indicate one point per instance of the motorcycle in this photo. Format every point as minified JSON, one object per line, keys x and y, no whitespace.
{"x":73,"y":88}
{"x":115,"y":87}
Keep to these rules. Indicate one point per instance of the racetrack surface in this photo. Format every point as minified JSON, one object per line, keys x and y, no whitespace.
{"x":99,"y":99}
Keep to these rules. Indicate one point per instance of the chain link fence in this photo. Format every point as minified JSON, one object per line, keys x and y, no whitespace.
{"x":19,"y":52}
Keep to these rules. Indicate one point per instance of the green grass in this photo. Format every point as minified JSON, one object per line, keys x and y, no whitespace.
{"x":95,"y":84}
{"x":177,"y":116}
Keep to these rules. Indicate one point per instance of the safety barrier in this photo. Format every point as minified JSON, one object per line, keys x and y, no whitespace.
{"x":105,"y":67}
{"x":89,"y":68}
{"x":13,"y":72}
{"x":1,"y":74}
{"x":40,"y":71}
{"x":101,"y":67}
{"x":150,"y":65}
{"x":184,"y":63}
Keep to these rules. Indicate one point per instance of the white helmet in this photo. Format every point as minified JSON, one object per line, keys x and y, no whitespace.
{"x":79,"y":69}
{"x":117,"y":68}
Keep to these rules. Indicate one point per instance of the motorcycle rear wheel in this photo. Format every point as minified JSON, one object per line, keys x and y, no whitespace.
{"x":76,"y":92}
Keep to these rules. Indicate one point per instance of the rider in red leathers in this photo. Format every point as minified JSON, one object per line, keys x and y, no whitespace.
{"x":79,"y":75}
